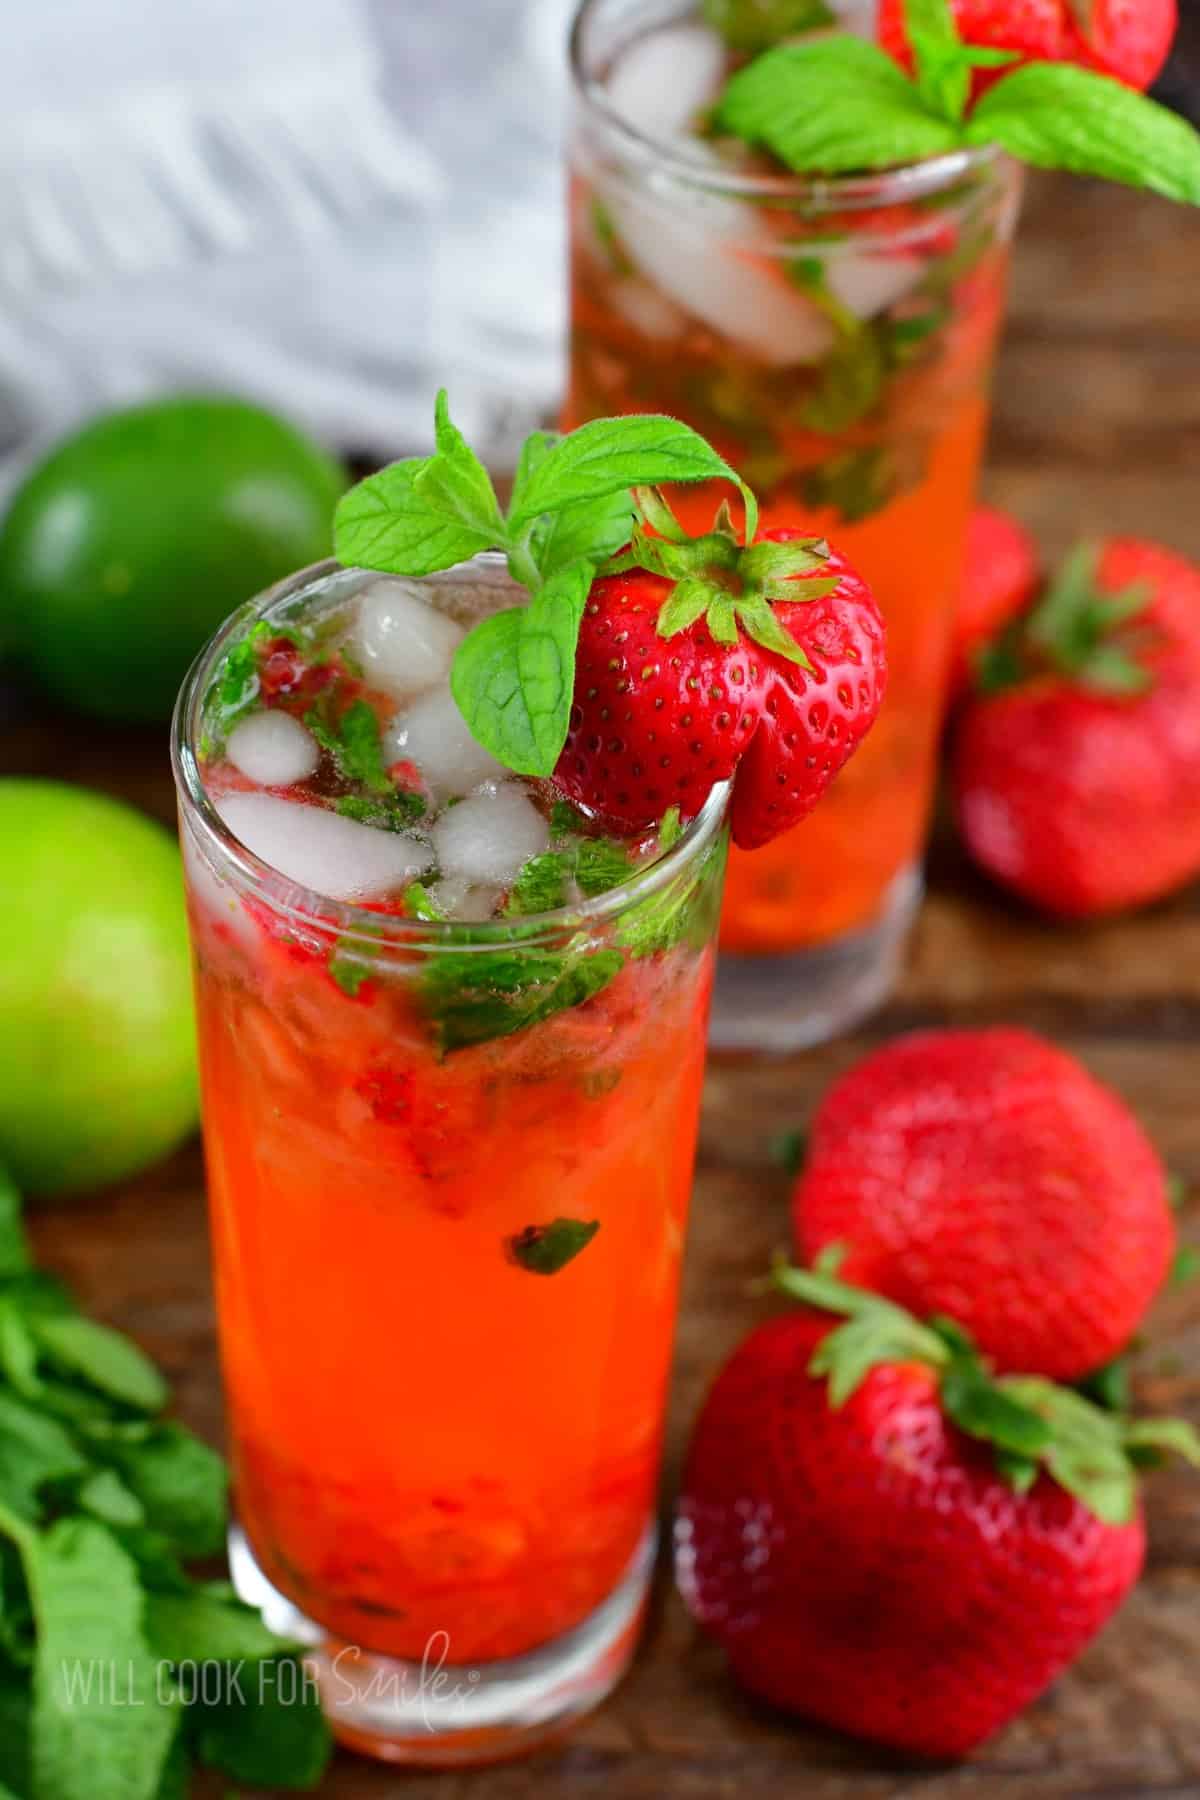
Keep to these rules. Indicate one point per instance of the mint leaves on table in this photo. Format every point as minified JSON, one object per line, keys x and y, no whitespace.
{"x":837,"y":105}
{"x":119,"y":1672}
{"x":1032,"y":1425}
{"x":572,"y":507}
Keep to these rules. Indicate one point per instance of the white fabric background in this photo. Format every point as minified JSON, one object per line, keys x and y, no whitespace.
{"x":329,"y":204}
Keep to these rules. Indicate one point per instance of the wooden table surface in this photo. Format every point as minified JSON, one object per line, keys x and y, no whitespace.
{"x":1097,"y":428}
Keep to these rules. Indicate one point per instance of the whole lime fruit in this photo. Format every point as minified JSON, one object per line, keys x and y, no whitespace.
{"x":97,"y":1040}
{"x":123,"y":551}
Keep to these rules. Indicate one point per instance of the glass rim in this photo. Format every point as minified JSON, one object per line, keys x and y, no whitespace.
{"x":359,"y":924}
{"x":880,"y":187}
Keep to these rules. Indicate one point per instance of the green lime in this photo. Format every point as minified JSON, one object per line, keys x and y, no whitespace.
{"x":97,"y":1045}
{"x":124,"y":550}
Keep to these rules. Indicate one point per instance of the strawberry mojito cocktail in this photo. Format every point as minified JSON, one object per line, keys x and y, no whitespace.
{"x":455,"y":820}
{"x":801,"y":248}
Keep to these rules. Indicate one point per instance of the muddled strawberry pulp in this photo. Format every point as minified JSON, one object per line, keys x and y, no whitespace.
{"x":834,"y":343}
{"x":449,"y":1145}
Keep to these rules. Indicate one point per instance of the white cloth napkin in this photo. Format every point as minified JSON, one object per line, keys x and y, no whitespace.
{"x":323,"y":206}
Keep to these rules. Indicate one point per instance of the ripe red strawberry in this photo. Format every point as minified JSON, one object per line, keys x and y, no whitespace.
{"x":1000,"y":577}
{"x":869,"y":1565}
{"x":1035,"y":28}
{"x":1077,"y":772}
{"x":988,"y":1176}
{"x":1129,"y":39}
{"x":703,"y":670}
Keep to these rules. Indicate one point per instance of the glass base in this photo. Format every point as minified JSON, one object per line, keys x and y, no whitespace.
{"x":436,"y":1714}
{"x":776,"y":1004}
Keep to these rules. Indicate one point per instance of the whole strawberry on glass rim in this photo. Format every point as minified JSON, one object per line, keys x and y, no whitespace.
{"x":1077,"y":763}
{"x":886,"y":1537}
{"x":649,"y":665}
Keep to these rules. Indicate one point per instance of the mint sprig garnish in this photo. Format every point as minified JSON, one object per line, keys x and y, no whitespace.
{"x":838,"y":106}
{"x":571,"y":509}
{"x":118,"y":1671}
{"x":1032,"y":1425}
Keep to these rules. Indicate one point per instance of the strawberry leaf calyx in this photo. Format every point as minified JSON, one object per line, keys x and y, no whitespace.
{"x":1033,"y":1425}
{"x":727,"y":584}
{"x":1077,"y":630}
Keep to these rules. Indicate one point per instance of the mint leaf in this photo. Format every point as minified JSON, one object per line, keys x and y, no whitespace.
{"x":566,"y":821}
{"x":36,"y":1450}
{"x":179,"y":1481}
{"x":601,"y":864}
{"x":267,"y":1730}
{"x":103,"y":1722}
{"x":14,"y":1247}
{"x":591,"y":529}
{"x":104,"y":1496}
{"x":475,"y":996}
{"x":835,"y":105}
{"x":198,"y":1626}
{"x":609,"y":455}
{"x":1058,"y":116}
{"x":850,"y":384}
{"x":854,"y":483}
{"x":541,"y":885}
{"x":670,"y":828}
{"x":15,"y":1710}
{"x":386,"y":523}
{"x":754,"y":25}
{"x":103,"y":1358}
{"x":514,"y":674}
{"x":545,"y":1249}
{"x":399,"y":811}
{"x":455,"y":483}
{"x":349,"y":972}
{"x":420,"y":904}
{"x":355,"y":743}
{"x":18,"y":1350}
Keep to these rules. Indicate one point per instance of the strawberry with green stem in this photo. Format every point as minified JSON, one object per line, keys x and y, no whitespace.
{"x":888,"y":1538}
{"x":696,"y":665}
{"x":648,"y":665}
{"x":1077,"y":765}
